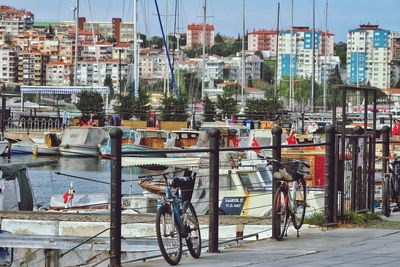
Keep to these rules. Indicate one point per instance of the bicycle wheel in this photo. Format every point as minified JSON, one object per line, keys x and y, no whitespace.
{"x":299,"y":209}
{"x":281,"y":213}
{"x":386,"y":197}
{"x":192,"y":227}
{"x":168,"y":236}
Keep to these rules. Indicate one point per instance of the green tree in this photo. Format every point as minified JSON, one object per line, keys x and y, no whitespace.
{"x":90,"y":102}
{"x":341,"y":51}
{"x":250,"y":82}
{"x":227,"y":105}
{"x":267,"y":73}
{"x":8,"y":39}
{"x":262,"y":108}
{"x":173,"y":109}
{"x":398,"y":84}
{"x":108,"y":82}
{"x":156,"y":42}
{"x":209,"y":109}
{"x":141,"y":104}
{"x":111,"y":39}
{"x":232,"y":90}
{"x":125,"y":105}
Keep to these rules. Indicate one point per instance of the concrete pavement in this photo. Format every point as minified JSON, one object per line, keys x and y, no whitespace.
{"x":315,"y":247}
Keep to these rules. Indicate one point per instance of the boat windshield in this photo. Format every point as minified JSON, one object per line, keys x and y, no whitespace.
{"x":251,"y":182}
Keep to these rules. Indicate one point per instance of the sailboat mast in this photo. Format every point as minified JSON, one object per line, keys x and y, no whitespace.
{"x":76,"y":43}
{"x":203,"y":66}
{"x":135,"y":51}
{"x":313,"y":62}
{"x":326,"y":53}
{"x":291,"y":60}
{"x":243,"y":53}
{"x":276,"y":52}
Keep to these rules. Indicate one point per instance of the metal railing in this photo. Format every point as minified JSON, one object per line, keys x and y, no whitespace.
{"x":28,"y":125}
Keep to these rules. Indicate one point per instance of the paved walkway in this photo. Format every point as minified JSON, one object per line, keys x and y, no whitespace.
{"x":315,"y":247}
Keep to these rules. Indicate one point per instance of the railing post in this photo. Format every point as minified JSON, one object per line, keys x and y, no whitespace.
{"x":115,"y":218}
{"x":385,"y":156}
{"x":276,"y":154}
{"x":330,"y":174}
{"x":214,"y":136}
{"x":354,"y":157}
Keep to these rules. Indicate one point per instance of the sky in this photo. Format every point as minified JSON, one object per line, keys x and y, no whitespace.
{"x":226,"y":15}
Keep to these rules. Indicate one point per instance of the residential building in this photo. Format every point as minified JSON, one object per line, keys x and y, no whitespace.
{"x":214,"y":69}
{"x":249,"y":92}
{"x":252,"y":63}
{"x":121,"y":50}
{"x":99,"y":50}
{"x":395,"y":58}
{"x":14,"y":21}
{"x":8,"y":64}
{"x":93,"y":73}
{"x":32,"y":68}
{"x":195,"y":35}
{"x":263,"y":40}
{"x":295,"y":52}
{"x":368,"y":56}
{"x":121,"y":31}
{"x":152,"y":64}
{"x":59,"y":73}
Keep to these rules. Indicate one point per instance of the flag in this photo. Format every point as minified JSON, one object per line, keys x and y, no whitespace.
{"x":291,"y":140}
{"x":65,"y":197}
{"x":255,"y":144}
{"x":396,"y":129}
{"x":235,"y":141}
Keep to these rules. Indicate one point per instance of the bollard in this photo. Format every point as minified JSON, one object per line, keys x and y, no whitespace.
{"x":115,"y":217}
{"x":330,"y":174}
{"x":214,"y":136}
{"x":385,"y":156}
{"x":276,"y":154}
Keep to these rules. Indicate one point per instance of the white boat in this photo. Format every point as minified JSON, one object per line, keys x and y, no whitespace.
{"x":4,"y":145}
{"x":81,"y":202}
{"x":82,"y":142}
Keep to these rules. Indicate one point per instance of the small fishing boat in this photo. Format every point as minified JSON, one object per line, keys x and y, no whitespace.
{"x":82,"y":142}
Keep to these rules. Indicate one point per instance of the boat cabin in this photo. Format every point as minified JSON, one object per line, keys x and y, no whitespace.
{"x":185,"y":138}
{"x":155,"y":138}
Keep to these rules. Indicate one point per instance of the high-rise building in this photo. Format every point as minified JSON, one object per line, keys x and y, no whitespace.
{"x":59,"y":73}
{"x":262,"y":40}
{"x":14,"y":21}
{"x":368,"y":56}
{"x":195,"y":35}
{"x":295,"y":53}
{"x":8,"y":64}
{"x":32,"y":68}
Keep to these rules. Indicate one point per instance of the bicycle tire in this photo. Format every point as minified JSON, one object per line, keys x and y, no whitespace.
{"x":192,"y":227}
{"x":281,"y":212}
{"x":299,"y":209}
{"x":168,"y":236}
{"x":386,"y":197}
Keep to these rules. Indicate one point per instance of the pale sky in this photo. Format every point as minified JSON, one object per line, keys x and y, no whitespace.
{"x":226,"y":15}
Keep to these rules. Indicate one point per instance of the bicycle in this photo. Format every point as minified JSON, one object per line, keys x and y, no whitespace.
{"x":290,"y":201}
{"x":176,"y":219}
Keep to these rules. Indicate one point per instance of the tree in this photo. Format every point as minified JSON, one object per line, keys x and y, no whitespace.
{"x":125,"y":105}
{"x":173,"y":109}
{"x":398,"y":84}
{"x":259,"y":54}
{"x":267,"y":73}
{"x":250,"y":82}
{"x":341,"y":52}
{"x":227,"y":105}
{"x":209,"y":109}
{"x":262,"y":108}
{"x":8,"y":39}
{"x":156,"y":42}
{"x":231,"y":90}
{"x":111,"y":39}
{"x":109,"y":83}
{"x":90,"y":102}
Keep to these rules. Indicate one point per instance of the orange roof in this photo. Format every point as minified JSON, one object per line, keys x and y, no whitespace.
{"x":199,"y":27}
{"x":122,"y":44}
{"x":263,"y":31}
{"x":392,"y":91}
{"x":253,"y":90}
{"x":107,"y":60}
{"x":60,"y":62}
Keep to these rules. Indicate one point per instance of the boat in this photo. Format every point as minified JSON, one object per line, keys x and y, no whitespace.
{"x":22,"y":147}
{"x":155,"y":138}
{"x":81,"y":202}
{"x":82,"y":142}
{"x":131,"y":140}
{"x":4,"y":145}
{"x":185,"y":138}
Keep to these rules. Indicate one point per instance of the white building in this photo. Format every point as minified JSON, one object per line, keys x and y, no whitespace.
{"x":59,"y":73}
{"x":14,"y":21}
{"x":253,"y":67}
{"x":8,"y":64}
{"x":99,"y":50}
{"x":93,"y":73}
{"x":295,"y":52}
{"x":368,"y":56}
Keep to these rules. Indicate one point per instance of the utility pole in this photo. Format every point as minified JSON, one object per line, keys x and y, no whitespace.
{"x":291,"y":59}
{"x":203,"y":66}
{"x":76,"y":43}
{"x":276,"y":52}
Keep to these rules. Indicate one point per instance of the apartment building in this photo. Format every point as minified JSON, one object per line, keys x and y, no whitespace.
{"x":8,"y":64}
{"x":32,"y":68}
{"x":121,"y":50}
{"x":368,"y":56}
{"x":14,"y":21}
{"x":99,"y":50}
{"x":262,"y":40}
{"x":295,"y":52}
{"x":252,"y":65}
{"x":194,"y":35}
{"x":59,"y":73}
{"x":152,"y":64}
{"x":92,"y":72}
{"x":116,"y":28}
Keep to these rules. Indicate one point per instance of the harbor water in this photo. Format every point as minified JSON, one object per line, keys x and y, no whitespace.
{"x":45,"y":182}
